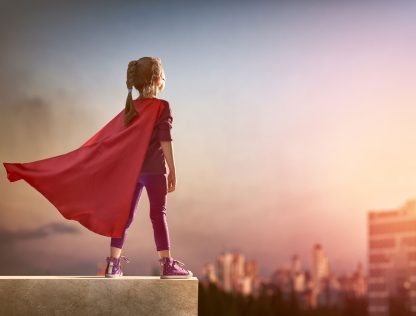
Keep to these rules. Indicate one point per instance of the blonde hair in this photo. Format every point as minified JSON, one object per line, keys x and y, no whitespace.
{"x":141,"y":74}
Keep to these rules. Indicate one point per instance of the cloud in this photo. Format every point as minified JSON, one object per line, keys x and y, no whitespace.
{"x":7,"y":236}
{"x":25,"y":122}
{"x":24,"y":259}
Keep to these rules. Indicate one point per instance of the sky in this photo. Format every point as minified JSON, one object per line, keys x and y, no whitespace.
{"x":291,"y":121}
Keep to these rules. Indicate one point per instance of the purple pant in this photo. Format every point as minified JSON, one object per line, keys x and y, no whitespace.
{"x":157,"y":189}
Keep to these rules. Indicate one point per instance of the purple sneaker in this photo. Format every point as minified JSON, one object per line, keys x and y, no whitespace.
{"x":172,"y":269}
{"x":113,"y":269}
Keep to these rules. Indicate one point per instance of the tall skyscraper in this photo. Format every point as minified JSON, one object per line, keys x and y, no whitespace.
{"x":209,"y":274}
{"x":226,"y":271}
{"x":236,"y":274}
{"x":320,"y":265}
{"x":322,"y":279}
{"x":392,"y":258}
{"x":297,"y":275}
{"x":231,"y":270}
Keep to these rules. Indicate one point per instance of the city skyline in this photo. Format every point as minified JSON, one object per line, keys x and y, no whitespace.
{"x":313,"y":286}
{"x":387,"y":289}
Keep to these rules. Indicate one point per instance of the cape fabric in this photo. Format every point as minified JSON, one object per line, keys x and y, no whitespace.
{"x":95,"y":183}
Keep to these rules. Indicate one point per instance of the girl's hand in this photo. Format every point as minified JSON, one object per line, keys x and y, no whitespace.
{"x":171,"y":181}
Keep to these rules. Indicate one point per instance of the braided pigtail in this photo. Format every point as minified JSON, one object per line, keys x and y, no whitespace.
{"x":129,"y":110}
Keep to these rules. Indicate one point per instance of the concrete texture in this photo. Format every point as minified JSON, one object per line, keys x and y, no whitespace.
{"x":97,"y":295}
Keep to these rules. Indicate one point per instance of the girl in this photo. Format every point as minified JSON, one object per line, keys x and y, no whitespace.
{"x":148,"y":77}
{"x":99,"y":183}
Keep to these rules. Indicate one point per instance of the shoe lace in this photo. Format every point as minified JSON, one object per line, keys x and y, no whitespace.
{"x":122,"y":257}
{"x":161,"y":260}
{"x":178,"y":262}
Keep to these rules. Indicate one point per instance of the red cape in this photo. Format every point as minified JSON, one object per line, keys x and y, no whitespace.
{"x":95,"y":183}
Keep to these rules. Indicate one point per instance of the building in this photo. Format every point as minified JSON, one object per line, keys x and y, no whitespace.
{"x":319,"y":271}
{"x":320,"y":265}
{"x":358,"y":282}
{"x":226,"y":271}
{"x":238,"y":275}
{"x":298,"y":276}
{"x":209,"y":274}
{"x":392,"y":258}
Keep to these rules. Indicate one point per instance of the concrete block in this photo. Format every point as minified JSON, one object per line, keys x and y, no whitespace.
{"x":97,"y":295}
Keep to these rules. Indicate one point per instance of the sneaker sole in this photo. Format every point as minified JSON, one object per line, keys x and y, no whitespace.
{"x":175,"y":277}
{"x":188,"y":276}
{"x":113,"y":276}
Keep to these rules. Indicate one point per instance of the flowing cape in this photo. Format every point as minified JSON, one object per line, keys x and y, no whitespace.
{"x":95,"y":183}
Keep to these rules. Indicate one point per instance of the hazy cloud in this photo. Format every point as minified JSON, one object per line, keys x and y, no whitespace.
{"x":7,"y":236}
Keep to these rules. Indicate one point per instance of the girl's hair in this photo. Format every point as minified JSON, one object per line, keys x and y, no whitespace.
{"x":140,"y":74}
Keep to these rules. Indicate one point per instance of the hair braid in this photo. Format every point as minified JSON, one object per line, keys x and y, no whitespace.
{"x":129,"y":110}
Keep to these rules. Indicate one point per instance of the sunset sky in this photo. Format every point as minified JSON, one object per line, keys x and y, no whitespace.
{"x":290,"y":123}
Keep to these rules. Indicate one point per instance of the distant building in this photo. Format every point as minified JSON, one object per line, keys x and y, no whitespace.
{"x":282,"y":279}
{"x":235,"y":274}
{"x":392,"y":258}
{"x":209,"y":274}
{"x":298,"y":276}
{"x":225,"y":271}
{"x":320,"y":272}
{"x":329,"y":293}
{"x":359,"y":282}
{"x":356,"y":284}
{"x":252,"y":279}
{"x":320,"y":265}
{"x":317,"y":287}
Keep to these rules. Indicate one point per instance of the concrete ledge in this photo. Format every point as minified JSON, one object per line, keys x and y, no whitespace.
{"x":97,"y":295}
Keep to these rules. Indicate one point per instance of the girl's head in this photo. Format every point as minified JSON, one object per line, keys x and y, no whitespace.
{"x":148,"y":77}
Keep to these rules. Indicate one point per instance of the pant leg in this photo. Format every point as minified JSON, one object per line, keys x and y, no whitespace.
{"x":157,"y":189}
{"x":118,"y":242}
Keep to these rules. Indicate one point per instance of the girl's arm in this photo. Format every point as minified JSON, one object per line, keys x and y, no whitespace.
{"x":167,"y":148}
